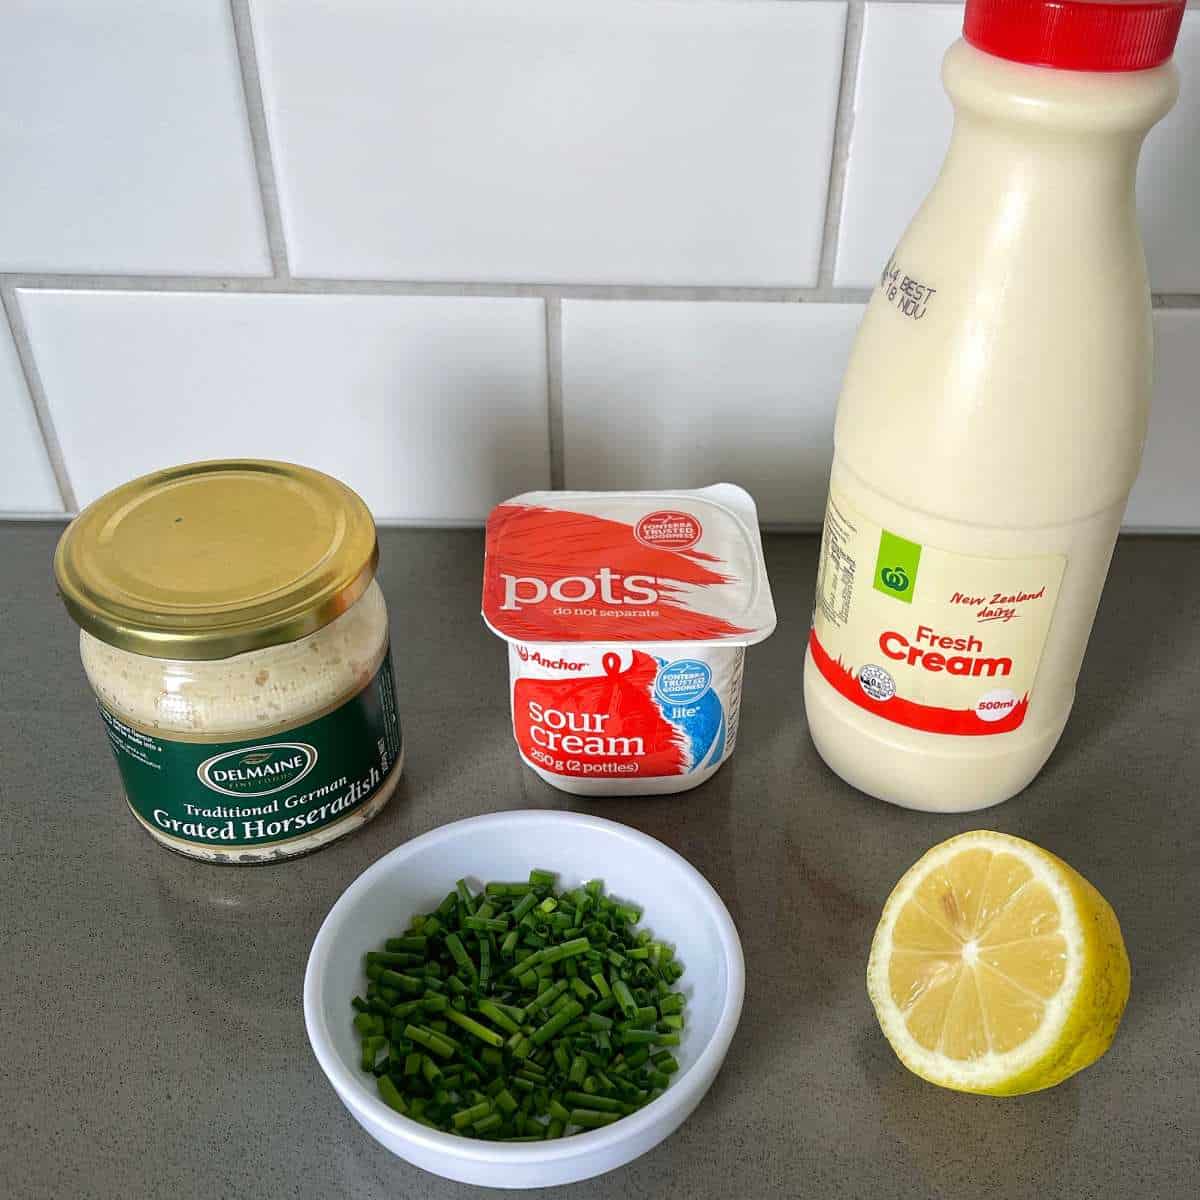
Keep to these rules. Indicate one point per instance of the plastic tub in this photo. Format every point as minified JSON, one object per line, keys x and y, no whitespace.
{"x":627,"y":615}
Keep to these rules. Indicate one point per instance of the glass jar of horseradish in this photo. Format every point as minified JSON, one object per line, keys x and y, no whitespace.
{"x":237,"y":642}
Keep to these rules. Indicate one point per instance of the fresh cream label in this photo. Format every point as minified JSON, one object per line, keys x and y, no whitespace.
{"x":929,"y":639}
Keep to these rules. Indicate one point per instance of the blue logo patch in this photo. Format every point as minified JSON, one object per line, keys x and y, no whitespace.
{"x":683,"y":681}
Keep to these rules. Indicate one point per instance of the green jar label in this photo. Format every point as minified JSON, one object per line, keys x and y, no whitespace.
{"x":262,"y":791}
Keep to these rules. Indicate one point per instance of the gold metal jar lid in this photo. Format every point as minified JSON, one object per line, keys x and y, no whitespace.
{"x":211,"y":559}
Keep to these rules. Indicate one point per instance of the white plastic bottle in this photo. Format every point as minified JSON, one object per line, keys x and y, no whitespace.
{"x":992,"y":418}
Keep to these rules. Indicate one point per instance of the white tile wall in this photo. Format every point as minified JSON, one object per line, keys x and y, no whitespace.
{"x":670,"y":394}
{"x":1167,"y":493}
{"x":512,"y":242}
{"x":598,"y":141}
{"x":430,"y":407}
{"x":902,"y":122}
{"x":123,"y":142}
{"x":26,"y":481}
{"x":1169,"y":179}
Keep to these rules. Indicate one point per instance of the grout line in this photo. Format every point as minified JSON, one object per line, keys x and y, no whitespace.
{"x":433,"y":524}
{"x":256,"y":117}
{"x":292,"y":286}
{"x":554,"y":396}
{"x":37,"y":396}
{"x":842,"y":130}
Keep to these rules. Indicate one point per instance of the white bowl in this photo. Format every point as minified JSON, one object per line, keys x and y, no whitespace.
{"x":678,"y":904}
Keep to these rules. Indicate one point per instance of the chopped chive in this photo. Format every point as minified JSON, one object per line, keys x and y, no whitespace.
{"x":602,"y":1103}
{"x":624,"y":997}
{"x":459,"y":953}
{"x":561,"y":1030}
{"x":390,"y":1094}
{"x":580,"y":988}
{"x":637,"y":1037}
{"x":485,"y":924}
{"x":485,"y":961}
{"x":402,"y":983}
{"x":371,"y":1047}
{"x":414,"y":945}
{"x":474,"y":1028}
{"x":498,"y":1016}
{"x":557,"y":1023}
{"x":562,"y":1003}
{"x":551,"y":994}
{"x":432,"y":1042}
{"x":468,"y":1116}
{"x":666,"y":1063}
{"x":590,"y":1119}
{"x":386,"y":958}
{"x":527,"y":963}
{"x":566,"y":950}
{"x":508,"y":889}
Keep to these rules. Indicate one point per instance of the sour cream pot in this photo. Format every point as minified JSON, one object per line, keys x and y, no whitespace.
{"x":627,"y":616}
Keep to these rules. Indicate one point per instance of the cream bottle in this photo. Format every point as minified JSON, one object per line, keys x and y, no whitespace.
{"x":992,"y":417}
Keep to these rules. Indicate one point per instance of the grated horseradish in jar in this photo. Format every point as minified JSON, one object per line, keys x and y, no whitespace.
{"x":237,"y":643}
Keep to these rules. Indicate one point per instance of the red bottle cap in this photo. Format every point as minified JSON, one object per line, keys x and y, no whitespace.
{"x":1076,"y":35}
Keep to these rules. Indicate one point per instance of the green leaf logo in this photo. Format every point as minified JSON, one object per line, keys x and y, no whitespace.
{"x":896,"y":566}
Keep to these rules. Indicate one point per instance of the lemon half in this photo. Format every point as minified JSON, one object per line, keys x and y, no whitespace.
{"x":996,"y":968}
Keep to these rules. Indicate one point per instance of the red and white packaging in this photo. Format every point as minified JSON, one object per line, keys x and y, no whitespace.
{"x":627,"y":615}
